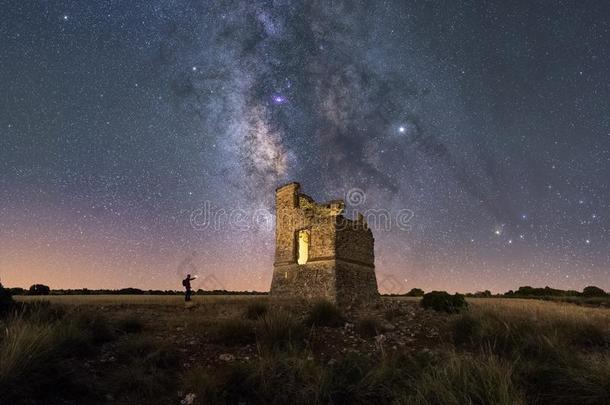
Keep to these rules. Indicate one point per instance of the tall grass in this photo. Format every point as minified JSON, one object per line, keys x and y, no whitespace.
{"x":36,"y":344}
{"x":279,"y":330}
{"x":324,"y":313}
{"x":560,"y":354}
{"x":25,"y":347}
{"x":286,"y":377}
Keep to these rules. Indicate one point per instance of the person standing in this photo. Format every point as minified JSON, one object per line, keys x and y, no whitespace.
{"x":187,"y":285}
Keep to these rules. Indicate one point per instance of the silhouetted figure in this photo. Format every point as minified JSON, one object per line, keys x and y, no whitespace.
{"x":187,"y":285}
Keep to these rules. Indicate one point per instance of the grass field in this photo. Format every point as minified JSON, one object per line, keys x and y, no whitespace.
{"x":131,"y":299}
{"x":250,"y":350}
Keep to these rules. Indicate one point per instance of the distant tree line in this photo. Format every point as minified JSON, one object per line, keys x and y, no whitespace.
{"x":527,"y":291}
{"x":41,"y":289}
{"x":522,"y":292}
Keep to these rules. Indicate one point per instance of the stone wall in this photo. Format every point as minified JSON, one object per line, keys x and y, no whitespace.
{"x":354,"y":241}
{"x":340,"y":265}
{"x":356,"y":284}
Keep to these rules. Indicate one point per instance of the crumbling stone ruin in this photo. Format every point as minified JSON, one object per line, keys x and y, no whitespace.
{"x":319,"y":253}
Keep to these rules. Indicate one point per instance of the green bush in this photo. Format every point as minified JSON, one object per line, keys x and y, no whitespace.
{"x":442,"y":301}
{"x":324,"y":313}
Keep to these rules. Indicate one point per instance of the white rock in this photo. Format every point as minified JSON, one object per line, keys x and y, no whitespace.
{"x":226,"y":357}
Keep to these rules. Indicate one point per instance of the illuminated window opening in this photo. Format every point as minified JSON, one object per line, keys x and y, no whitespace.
{"x":303,"y":246}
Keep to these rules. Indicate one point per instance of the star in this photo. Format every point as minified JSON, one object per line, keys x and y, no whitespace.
{"x":279,"y":99}
{"x":401,"y":129}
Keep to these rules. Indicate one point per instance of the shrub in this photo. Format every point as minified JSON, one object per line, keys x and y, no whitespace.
{"x":255,"y":310}
{"x":442,"y":301}
{"x":592,"y":291}
{"x":324,"y":313}
{"x":415,"y":292}
{"x":39,"y":289}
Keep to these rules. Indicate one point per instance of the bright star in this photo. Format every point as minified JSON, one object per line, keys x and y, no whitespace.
{"x":65,"y":18}
{"x":401,"y":130}
{"x":279,"y":99}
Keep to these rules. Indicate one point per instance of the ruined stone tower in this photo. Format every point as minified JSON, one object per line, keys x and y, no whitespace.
{"x":319,"y":253}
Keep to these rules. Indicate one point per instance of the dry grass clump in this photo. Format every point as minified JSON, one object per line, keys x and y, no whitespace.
{"x":279,"y":330}
{"x":324,"y":313}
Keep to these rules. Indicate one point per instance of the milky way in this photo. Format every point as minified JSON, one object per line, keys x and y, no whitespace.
{"x":142,"y":138}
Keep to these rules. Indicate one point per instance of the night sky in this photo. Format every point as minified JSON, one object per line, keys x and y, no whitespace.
{"x":123,"y":124}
